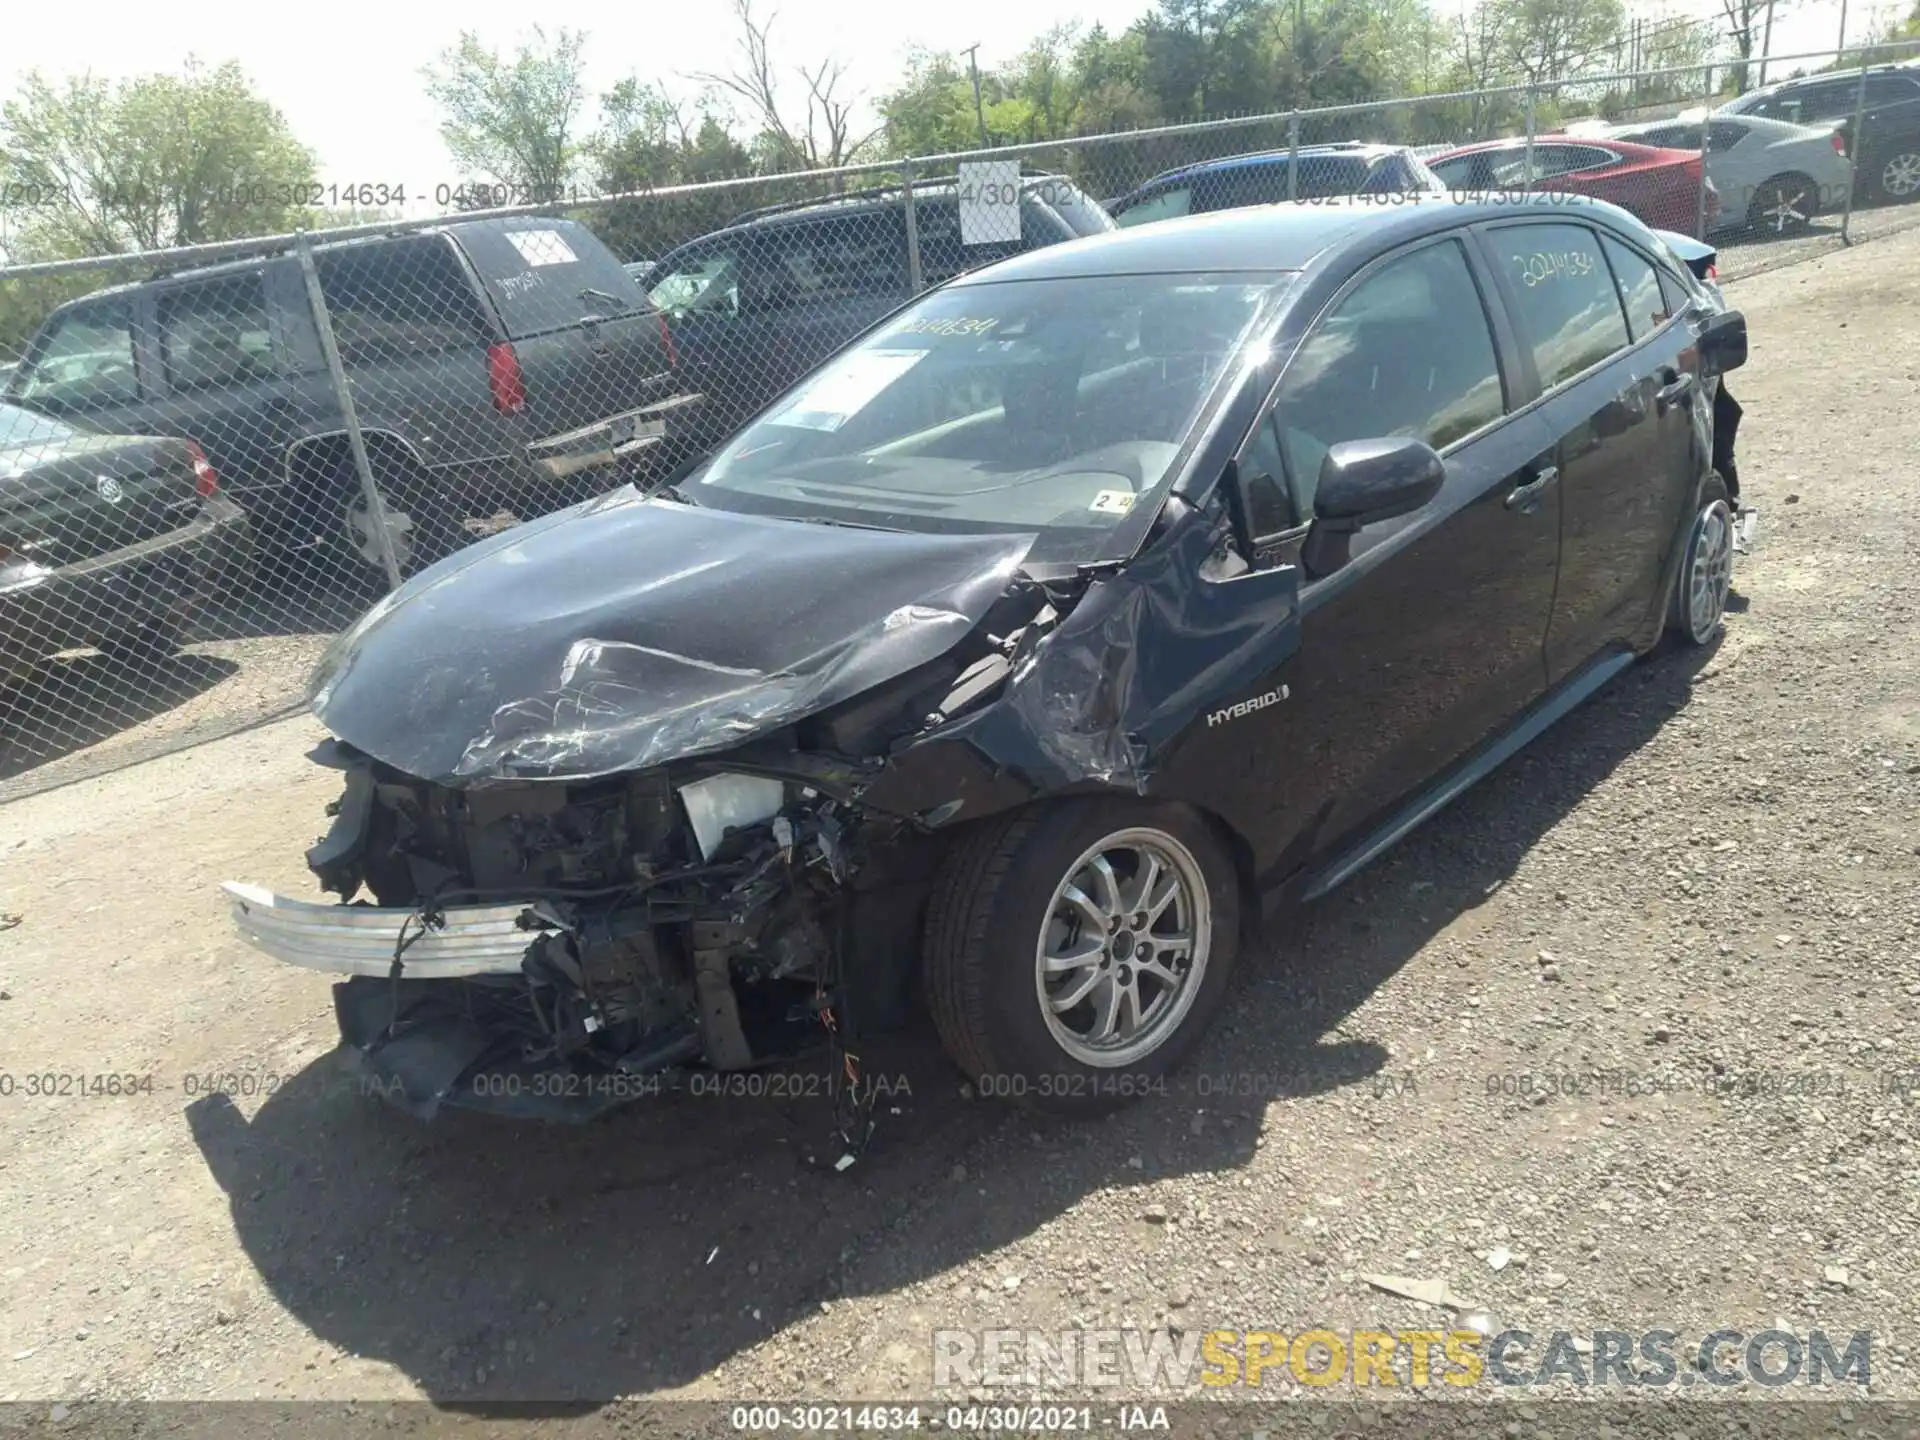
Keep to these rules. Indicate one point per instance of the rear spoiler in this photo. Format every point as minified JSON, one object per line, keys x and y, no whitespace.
{"x":1696,"y":255}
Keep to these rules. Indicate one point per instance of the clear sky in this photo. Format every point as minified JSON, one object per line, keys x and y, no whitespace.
{"x":347,"y":72}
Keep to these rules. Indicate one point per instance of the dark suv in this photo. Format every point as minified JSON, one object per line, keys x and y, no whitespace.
{"x":493,"y":364}
{"x":1319,"y":172}
{"x":1886,"y":151}
{"x":757,"y":305}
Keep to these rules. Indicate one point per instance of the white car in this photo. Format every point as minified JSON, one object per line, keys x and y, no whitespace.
{"x":1773,"y":176}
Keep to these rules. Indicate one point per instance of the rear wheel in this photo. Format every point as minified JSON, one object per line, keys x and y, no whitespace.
{"x":1699,"y":604}
{"x":1075,"y":954}
{"x":1783,"y":204}
{"x":1896,"y":176}
{"x":416,"y":523}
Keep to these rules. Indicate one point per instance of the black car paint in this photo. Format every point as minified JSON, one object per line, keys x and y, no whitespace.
{"x":1314,"y":716}
{"x":101,"y":535}
{"x":644,"y":643}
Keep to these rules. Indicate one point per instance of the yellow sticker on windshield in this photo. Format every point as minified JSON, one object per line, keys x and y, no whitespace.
{"x":1112,"y":502}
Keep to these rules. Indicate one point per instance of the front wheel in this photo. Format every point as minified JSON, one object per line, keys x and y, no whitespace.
{"x":1699,"y":605}
{"x":1075,"y":953}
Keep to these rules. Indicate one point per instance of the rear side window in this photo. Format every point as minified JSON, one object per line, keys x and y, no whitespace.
{"x":548,"y":274}
{"x":942,"y":255}
{"x":1569,"y":312}
{"x":391,"y":300}
{"x":216,"y":335}
{"x":1639,"y":286}
{"x":1407,"y":352}
{"x":87,"y":359}
{"x":1168,"y":204}
{"x":863,"y":254}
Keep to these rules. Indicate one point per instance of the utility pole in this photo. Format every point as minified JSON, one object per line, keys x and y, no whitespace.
{"x":1843,"y":31}
{"x":979,"y":110}
{"x":1766,"y":42}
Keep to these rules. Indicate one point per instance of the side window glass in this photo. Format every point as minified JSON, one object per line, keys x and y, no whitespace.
{"x":1408,"y":352}
{"x":1263,"y":482}
{"x":1568,"y":309}
{"x":87,"y":360}
{"x":705,"y":283}
{"x":1167,"y":205}
{"x":1723,"y":135}
{"x":1674,"y":292}
{"x":395,"y":300}
{"x":1639,"y":287}
{"x":216,"y":334}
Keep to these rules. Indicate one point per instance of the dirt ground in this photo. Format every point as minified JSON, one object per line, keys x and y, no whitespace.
{"x":1701,"y":887}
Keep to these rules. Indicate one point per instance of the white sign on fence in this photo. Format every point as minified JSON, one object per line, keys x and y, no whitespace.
{"x":989,"y":201}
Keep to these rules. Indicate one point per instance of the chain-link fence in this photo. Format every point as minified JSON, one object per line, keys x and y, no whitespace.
{"x":211,"y":460}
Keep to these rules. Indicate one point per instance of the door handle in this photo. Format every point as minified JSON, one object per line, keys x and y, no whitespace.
{"x":1526,"y":498}
{"x":1676,"y":388}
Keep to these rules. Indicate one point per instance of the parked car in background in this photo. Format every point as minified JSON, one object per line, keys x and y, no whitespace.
{"x":756,"y":305}
{"x":1661,"y":187}
{"x":1772,"y":176}
{"x":109,"y":541}
{"x":1030,"y":649}
{"x":492,"y":363}
{"x":1314,"y":172}
{"x":1886,"y":149}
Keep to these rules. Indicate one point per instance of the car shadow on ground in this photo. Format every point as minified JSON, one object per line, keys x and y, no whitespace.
{"x":492,"y":1260}
{"x":69,"y":703}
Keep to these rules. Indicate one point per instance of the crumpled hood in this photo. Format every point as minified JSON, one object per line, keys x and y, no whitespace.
{"x":625,"y":633}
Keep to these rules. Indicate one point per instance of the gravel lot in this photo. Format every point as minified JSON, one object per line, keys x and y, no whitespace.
{"x":1702,"y":886}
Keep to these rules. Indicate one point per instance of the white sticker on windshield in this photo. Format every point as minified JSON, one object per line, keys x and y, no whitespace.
{"x":1112,"y":502}
{"x":844,"y":389}
{"x":541,"y":247}
{"x":989,"y":201}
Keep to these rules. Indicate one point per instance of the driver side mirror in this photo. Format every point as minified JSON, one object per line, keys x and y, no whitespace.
{"x":1723,"y":342}
{"x":1363,"y":482}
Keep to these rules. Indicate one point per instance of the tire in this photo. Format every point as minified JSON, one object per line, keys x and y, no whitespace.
{"x":1896,"y":174}
{"x":1698,"y":608}
{"x":1783,"y":205}
{"x":997,"y":908}
{"x":421,"y":530}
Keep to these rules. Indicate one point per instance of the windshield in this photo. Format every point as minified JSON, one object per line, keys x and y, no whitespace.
{"x":1053,"y":406}
{"x":22,"y":427}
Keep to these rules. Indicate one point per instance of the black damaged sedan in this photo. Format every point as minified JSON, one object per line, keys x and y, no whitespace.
{"x":1018,"y":660}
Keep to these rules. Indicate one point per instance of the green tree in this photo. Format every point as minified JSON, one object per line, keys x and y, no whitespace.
{"x":514,"y":120}
{"x":648,"y":140}
{"x":148,"y":162}
{"x":1547,"y":41}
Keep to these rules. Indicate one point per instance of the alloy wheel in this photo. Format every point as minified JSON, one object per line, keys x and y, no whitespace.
{"x":1786,"y":205}
{"x":1900,"y":176}
{"x":1123,"y":949}
{"x":363,"y":536}
{"x":1710,"y":572}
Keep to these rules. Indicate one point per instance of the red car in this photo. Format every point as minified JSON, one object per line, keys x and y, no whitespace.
{"x":1661,"y":187}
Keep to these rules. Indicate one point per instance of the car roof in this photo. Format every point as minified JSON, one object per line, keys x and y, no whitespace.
{"x":1276,"y":237}
{"x":1632,"y":149}
{"x":1361,"y":149}
{"x":244,"y":264}
{"x":883,"y":197}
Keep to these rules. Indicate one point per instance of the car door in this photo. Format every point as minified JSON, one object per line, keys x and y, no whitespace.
{"x":1617,"y":397}
{"x":1429,"y":639}
{"x":224,"y":383}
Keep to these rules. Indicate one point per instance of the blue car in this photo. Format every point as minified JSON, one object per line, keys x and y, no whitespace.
{"x":1322,"y":172}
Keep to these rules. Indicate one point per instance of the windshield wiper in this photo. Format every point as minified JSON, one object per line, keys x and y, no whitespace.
{"x":589,"y":293}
